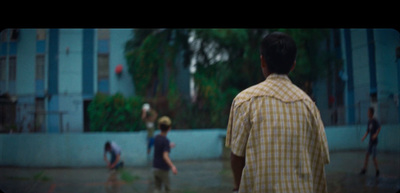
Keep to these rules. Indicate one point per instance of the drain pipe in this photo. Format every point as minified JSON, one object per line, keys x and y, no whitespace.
{"x":398,"y":82}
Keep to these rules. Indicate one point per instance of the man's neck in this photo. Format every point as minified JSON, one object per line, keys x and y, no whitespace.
{"x":164,"y":133}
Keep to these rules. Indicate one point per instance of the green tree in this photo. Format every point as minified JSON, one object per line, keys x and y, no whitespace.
{"x":312,"y":58}
{"x":150,"y":54}
{"x":115,"y":113}
{"x":226,"y":60}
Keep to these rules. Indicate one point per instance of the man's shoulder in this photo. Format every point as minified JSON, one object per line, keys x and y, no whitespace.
{"x":248,"y":93}
{"x":284,"y":91}
{"x":251,"y":91}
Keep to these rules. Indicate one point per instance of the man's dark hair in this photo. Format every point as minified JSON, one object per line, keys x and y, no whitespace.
{"x":107,"y":146}
{"x":164,"y":127}
{"x":371,"y":109}
{"x":279,"y":52}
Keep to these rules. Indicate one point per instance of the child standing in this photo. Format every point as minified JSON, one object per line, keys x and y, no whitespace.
{"x":373,"y":130}
{"x":162,"y":162}
{"x":149,"y":115}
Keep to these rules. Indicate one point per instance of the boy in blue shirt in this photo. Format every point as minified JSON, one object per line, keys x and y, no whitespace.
{"x":162,"y":162}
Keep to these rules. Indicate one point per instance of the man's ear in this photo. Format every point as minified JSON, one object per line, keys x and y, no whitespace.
{"x":264,"y":67}
{"x":294,"y":65}
{"x":263,"y":63}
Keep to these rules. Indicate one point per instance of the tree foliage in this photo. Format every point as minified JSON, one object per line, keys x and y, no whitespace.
{"x":312,"y":59}
{"x":115,"y":113}
{"x":150,"y":54}
{"x":226,"y":60}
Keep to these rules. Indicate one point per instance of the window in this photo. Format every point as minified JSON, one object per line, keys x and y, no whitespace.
{"x":103,"y":66}
{"x":4,"y":35}
{"x":3,"y":69}
{"x":40,"y":67}
{"x":39,"y":115}
{"x":14,"y":34}
{"x":103,"y":34}
{"x":13,"y":68}
{"x":40,"y":34}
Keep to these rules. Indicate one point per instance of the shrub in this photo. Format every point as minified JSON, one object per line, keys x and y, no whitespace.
{"x":115,"y":113}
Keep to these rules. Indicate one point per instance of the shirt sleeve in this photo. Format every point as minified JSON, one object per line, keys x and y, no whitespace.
{"x":322,"y":138}
{"x":166,"y":146}
{"x":115,"y":148}
{"x":238,"y":129}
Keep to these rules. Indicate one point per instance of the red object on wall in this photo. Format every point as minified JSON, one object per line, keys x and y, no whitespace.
{"x":118,"y":69}
{"x":331,"y":99}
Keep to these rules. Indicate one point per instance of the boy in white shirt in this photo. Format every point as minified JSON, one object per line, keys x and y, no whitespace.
{"x":115,"y":152}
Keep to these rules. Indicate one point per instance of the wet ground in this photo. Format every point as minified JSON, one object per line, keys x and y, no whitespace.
{"x":210,"y":176}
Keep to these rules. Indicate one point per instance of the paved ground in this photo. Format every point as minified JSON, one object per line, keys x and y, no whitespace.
{"x":211,"y":176}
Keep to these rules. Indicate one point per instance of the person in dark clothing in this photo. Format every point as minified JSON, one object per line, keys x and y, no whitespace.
{"x":373,"y":130}
{"x":162,"y":162}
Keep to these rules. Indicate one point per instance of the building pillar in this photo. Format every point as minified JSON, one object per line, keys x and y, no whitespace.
{"x":398,"y":81}
{"x":350,"y":82}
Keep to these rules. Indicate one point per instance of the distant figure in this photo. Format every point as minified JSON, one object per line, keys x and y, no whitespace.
{"x":275,"y":132}
{"x":115,"y":151}
{"x":373,"y":130}
{"x":149,"y":116}
{"x":162,"y":162}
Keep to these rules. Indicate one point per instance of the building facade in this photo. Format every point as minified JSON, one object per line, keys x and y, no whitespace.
{"x":51,"y":75}
{"x":365,"y":74}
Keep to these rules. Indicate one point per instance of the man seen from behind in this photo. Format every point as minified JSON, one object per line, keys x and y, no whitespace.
{"x":275,"y":132}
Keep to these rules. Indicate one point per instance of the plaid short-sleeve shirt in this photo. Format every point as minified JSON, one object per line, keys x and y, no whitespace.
{"x":279,"y":131}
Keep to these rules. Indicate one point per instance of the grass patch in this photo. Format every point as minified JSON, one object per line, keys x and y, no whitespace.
{"x":127,"y":177}
{"x":225,"y":172}
{"x":41,"y":177}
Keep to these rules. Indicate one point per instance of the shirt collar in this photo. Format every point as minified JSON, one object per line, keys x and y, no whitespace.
{"x":275,"y":76}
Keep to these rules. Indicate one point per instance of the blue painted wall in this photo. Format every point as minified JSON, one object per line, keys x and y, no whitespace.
{"x":70,"y":73}
{"x":350,"y":84}
{"x":53,"y":61}
{"x":70,"y":61}
{"x":372,"y":62}
{"x":53,"y":118}
{"x":349,"y":138}
{"x":88,"y":63}
{"x":71,"y":56}
{"x":369,"y":65}
{"x":26,"y":64}
{"x":25,"y":86}
{"x":387,"y":40}
{"x":86,"y":150}
{"x":25,"y":107}
{"x":123,"y":83}
{"x":52,"y":80}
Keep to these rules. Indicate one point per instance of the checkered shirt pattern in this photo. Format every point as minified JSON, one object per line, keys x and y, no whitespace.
{"x":279,"y":131}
